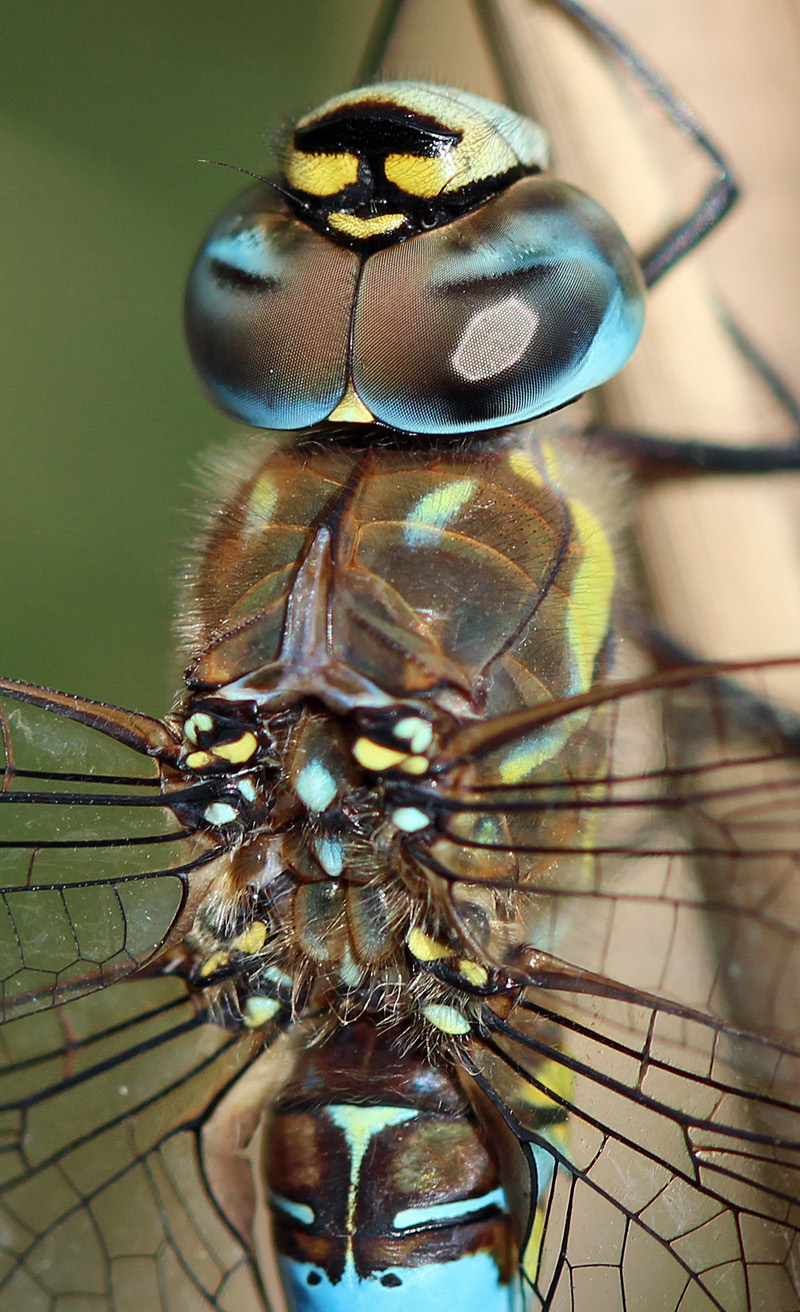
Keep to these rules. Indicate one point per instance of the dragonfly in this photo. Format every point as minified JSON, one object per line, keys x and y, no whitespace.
{"x":641,"y":1101}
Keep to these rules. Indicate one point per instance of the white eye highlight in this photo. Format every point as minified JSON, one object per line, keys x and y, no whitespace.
{"x":495,"y":338}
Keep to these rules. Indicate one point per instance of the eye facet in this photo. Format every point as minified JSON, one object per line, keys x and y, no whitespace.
{"x":498,"y":295}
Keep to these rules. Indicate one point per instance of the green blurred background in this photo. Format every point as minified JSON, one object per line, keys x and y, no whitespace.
{"x":105,"y":110}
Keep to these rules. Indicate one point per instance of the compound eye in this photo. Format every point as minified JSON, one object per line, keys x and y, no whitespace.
{"x":509,"y":312}
{"x":268,"y":308}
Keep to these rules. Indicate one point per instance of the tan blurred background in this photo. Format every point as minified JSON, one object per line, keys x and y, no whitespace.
{"x":104,"y":111}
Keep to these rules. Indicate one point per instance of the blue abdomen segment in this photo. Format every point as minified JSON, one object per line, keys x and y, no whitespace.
{"x":386,"y":1204}
{"x":470,"y":1284}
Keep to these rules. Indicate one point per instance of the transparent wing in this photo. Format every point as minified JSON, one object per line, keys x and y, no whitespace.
{"x":669,"y":974}
{"x":671,"y":863}
{"x":105,"y":1202}
{"x":681,"y":1169}
{"x":93,"y":866}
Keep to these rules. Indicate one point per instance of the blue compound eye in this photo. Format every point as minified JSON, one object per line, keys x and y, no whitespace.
{"x":268,"y":308}
{"x":433,"y":281}
{"x":506,"y":314}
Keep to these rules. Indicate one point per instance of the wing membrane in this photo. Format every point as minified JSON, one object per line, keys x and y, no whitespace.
{"x":93,"y":865}
{"x":669,"y":969}
{"x":682,"y":1163}
{"x":680,"y":873}
{"x":660,"y":946}
{"x":105,"y":1199}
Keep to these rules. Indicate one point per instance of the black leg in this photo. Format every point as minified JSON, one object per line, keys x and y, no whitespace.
{"x":659,"y":454}
{"x":683,"y":236}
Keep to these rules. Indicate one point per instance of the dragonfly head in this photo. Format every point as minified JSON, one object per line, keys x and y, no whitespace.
{"x":414,"y":269}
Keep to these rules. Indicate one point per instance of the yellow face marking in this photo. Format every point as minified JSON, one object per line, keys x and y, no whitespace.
{"x":374,"y":756}
{"x":258,"y":1012}
{"x":217,"y":961}
{"x":199,"y":760}
{"x":420,"y":176}
{"x":321,"y":175}
{"x":473,"y":972}
{"x":492,"y":139}
{"x":352,"y":226}
{"x":447,"y":1019}
{"x":351,"y":409}
{"x":415,"y":765}
{"x":425,"y":948}
{"x":251,"y":939}
{"x":241,"y":749}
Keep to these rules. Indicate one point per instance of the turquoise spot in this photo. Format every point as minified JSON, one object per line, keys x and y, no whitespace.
{"x":436,"y":509}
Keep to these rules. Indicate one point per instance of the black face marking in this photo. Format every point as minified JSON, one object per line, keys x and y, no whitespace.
{"x":371,"y":130}
{"x":375,"y":126}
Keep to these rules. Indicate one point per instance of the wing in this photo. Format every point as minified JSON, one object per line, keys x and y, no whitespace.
{"x":669,"y":975}
{"x":110,"y":1110}
{"x":681,"y":1165}
{"x":93,"y":865}
{"x":122,"y":1184}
